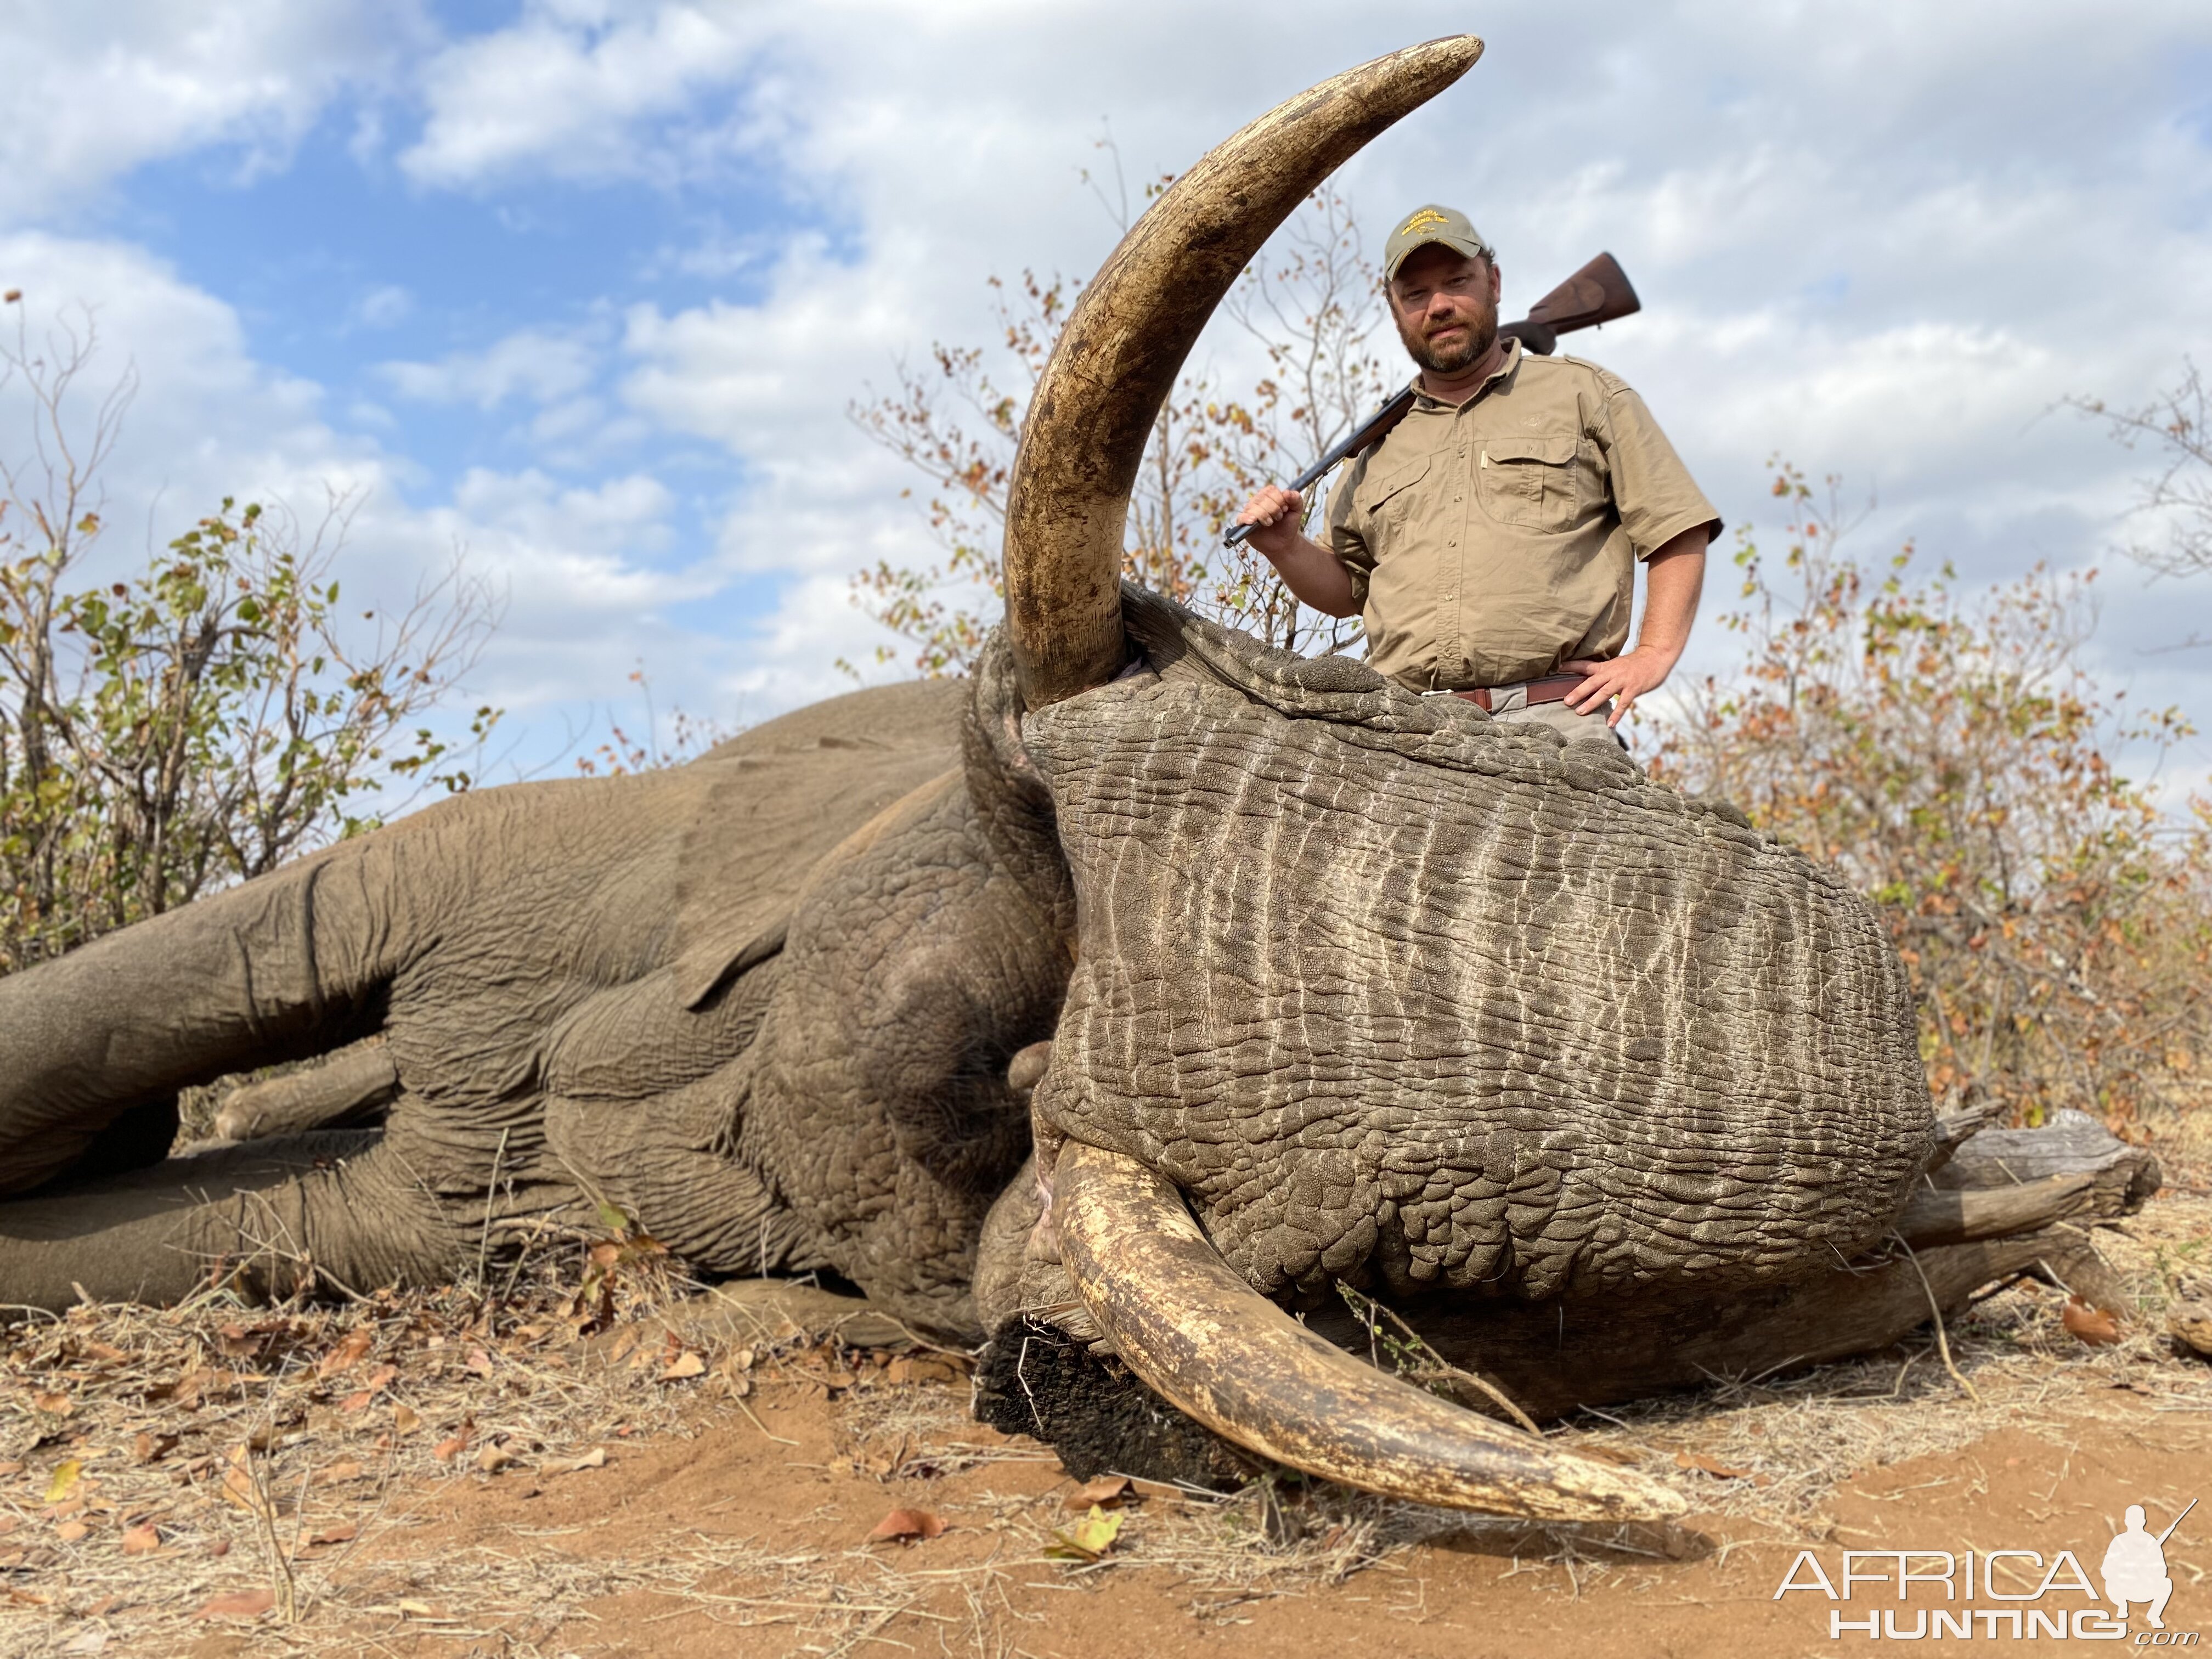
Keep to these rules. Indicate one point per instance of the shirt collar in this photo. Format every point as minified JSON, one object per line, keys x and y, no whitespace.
{"x":1504,"y":371}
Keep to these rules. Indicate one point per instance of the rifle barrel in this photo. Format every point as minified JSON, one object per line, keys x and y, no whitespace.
{"x":1370,"y":430}
{"x":2177,"y":1520}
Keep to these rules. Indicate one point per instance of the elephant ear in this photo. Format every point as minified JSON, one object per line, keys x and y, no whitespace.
{"x":780,"y":797}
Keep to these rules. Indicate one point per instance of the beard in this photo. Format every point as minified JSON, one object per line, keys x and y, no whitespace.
{"x":1481,"y":335}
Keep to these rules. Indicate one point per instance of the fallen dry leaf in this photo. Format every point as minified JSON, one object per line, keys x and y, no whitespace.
{"x":1685,"y":1460}
{"x":906,"y":1526}
{"x":595,"y":1459}
{"x":70,"y":1531}
{"x":344,"y":1533}
{"x":450,"y":1448}
{"x":494,"y":1458}
{"x":1088,"y":1540}
{"x":237,"y":1483}
{"x":405,"y":1417}
{"x":1107,"y":1491}
{"x":924,"y":1368}
{"x":416,"y":1609}
{"x":479,"y":1362}
{"x":345,"y":1468}
{"x":54,"y":1405}
{"x":64,"y":1479}
{"x":184,"y":1390}
{"x":371,"y":1386}
{"x":2093,"y":1326}
{"x":729,"y":1378}
{"x":686,"y":1363}
{"x":149,"y":1447}
{"x":239,"y":1604}
{"x":141,"y":1540}
{"x":348,"y":1353}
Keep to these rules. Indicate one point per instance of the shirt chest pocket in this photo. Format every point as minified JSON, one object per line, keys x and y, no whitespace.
{"x":1531,"y":479}
{"x":1383,"y":501}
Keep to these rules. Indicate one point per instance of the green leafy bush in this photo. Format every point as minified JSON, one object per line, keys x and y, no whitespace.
{"x":200,"y":721}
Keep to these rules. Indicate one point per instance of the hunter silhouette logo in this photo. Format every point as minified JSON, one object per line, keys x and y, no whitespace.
{"x":2135,"y":1566}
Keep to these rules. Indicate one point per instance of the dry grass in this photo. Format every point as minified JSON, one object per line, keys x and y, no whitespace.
{"x":222,"y":1442}
{"x":248,"y":1449}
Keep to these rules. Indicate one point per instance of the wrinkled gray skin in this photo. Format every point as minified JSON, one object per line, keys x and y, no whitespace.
{"x":1395,"y":994}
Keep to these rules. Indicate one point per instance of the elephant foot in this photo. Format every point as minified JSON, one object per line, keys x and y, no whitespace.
{"x":1035,"y":1379}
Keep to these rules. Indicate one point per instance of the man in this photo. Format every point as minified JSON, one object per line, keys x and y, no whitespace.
{"x":2135,"y":1568}
{"x":1492,"y":539}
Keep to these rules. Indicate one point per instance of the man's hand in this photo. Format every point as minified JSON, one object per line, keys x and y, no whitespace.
{"x":1672,"y":577}
{"x":1274,"y":514}
{"x":1308,"y":569}
{"x":1626,"y":678}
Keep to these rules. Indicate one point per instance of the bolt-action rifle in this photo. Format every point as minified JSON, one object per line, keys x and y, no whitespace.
{"x":1598,"y":292}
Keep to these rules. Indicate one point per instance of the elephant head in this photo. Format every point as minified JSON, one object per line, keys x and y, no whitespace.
{"x":1368,"y":989}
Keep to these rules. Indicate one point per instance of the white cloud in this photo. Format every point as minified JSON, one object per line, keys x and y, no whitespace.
{"x":531,"y":363}
{"x":93,"y":91}
{"x":594,"y":576}
{"x":382,"y":307}
{"x":573,"y":89}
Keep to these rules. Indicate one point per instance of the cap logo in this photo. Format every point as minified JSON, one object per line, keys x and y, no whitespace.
{"x":1422,"y":221}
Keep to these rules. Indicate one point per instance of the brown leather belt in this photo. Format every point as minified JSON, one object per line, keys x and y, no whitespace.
{"x":1554,"y":688}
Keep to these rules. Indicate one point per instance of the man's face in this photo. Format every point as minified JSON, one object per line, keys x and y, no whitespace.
{"x":1445,"y":306}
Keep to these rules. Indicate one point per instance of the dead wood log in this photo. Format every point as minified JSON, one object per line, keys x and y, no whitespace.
{"x":1948,"y":1216}
{"x":2072,"y":1143}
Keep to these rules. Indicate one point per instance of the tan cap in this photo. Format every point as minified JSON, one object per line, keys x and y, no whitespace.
{"x":1448,"y":227}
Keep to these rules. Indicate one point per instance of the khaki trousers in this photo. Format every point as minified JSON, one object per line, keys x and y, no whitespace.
{"x":1510,"y":703}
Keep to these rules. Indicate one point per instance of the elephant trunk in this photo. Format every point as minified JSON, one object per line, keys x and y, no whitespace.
{"x":1126,"y":341}
{"x":1190,"y":1327}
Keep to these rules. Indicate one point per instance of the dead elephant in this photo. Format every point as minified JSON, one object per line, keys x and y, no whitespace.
{"x":1145,"y":987}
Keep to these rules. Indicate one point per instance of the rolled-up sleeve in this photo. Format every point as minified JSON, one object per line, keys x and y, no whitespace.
{"x":1345,"y":541}
{"x":1652,"y":490}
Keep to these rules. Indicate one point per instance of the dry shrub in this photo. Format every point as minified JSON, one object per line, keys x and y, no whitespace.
{"x":1955,"y":759}
{"x":1307,"y":305}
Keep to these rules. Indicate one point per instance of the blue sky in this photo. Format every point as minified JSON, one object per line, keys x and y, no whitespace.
{"x":582,"y":288}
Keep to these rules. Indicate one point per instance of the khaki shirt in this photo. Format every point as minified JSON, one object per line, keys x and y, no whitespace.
{"x":1491,"y":543}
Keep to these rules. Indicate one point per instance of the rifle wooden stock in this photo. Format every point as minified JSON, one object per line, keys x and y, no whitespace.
{"x":1598,"y":292}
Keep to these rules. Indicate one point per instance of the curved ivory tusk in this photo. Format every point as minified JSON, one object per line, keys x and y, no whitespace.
{"x":1191,"y":1328}
{"x":1126,"y":341}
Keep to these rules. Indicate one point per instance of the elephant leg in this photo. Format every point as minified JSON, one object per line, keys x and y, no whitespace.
{"x":347,"y":1210}
{"x":284,"y":967}
{"x":274,"y":1215}
{"x":666,"y":1164}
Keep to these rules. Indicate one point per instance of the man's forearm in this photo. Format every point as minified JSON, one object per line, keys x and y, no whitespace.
{"x":1675,"y":576}
{"x":1315,"y":574}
